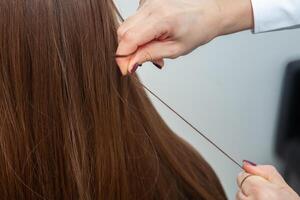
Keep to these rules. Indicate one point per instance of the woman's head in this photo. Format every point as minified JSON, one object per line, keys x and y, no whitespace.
{"x":71,"y":126}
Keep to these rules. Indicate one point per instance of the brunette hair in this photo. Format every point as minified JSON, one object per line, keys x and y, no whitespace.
{"x":71,"y":126}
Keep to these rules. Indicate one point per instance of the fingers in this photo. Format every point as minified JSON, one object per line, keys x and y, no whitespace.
{"x":241,"y":196}
{"x":241,"y":177}
{"x":268,"y":172}
{"x":131,"y":41}
{"x":123,"y":63}
{"x":139,"y":39}
{"x":129,"y":23}
{"x":262,"y":182}
{"x":156,"y":50}
{"x":140,"y":34}
{"x":249,"y":183}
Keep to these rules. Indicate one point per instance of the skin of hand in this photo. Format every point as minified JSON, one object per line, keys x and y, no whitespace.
{"x":264,"y":183}
{"x":172,"y":28}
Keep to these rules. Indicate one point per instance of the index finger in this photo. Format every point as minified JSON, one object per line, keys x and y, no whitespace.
{"x":131,"y":21}
{"x":269,"y":172}
{"x":140,"y":34}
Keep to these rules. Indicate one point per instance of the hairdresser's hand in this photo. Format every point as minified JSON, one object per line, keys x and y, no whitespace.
{"x":264,"y":183}
{"x":171,"y":28}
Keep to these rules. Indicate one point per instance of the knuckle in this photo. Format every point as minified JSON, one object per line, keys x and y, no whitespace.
{"x":168,"y":24}
{"x":272,"y":171}
{"x":153,"y":15}
{"x":120,"y":31}
{"x":175,"y":51}
{"x":271,"y":168}
{"x":128,"y":36}
{"x":147,"y":56}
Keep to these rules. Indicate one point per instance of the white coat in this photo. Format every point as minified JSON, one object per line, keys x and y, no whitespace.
{"x":272,"y":15}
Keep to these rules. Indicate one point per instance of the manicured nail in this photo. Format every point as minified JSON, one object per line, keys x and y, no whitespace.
{"x":249,"y":162}
{"x":134,"y":68}
{"x":157,"y":65}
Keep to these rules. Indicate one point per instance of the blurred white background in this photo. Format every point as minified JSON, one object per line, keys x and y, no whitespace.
{"x":229,"y":89}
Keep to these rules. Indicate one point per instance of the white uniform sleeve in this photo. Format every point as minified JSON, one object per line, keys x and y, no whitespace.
{"x":272,"y":15}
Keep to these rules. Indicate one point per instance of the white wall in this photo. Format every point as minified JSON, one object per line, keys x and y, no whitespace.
{"x":230,"y":90}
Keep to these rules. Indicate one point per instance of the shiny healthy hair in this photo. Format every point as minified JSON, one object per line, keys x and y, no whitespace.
{"x":71,"y":127}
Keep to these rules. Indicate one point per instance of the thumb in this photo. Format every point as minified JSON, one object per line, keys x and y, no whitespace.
{"x":268,"y":172}
{"x":154,"y":51}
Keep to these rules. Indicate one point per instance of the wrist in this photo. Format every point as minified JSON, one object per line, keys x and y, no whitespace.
{"x":235,"y":16}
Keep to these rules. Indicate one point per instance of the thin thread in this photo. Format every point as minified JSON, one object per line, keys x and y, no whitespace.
{"x":193,"y":127}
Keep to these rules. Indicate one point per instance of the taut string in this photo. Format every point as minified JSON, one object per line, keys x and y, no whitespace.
{"x":179,"y":115}
{"x":193,"y":127}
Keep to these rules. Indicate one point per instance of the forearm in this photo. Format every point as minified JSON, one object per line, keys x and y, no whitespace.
{"x":235,"y":16}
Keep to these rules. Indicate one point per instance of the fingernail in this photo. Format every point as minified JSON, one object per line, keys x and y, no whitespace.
{"x":249,"y":162}
{"x":157,"y":65}
{"x":134,"y":68}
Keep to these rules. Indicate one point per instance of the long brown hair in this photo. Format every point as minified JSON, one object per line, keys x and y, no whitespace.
{"x":71,"y":127}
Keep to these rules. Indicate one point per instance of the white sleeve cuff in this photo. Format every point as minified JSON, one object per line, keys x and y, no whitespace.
{"x":275,"y":14}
